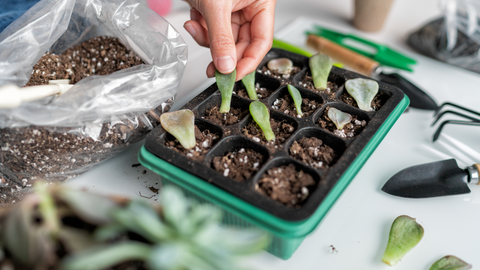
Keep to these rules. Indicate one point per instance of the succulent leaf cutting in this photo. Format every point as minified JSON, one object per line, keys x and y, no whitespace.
{"x":261,"y":115}
{"x":181,"y":124}
{"x":320,"y":66}
{"x":363,"y":91}
{"x":225,"y":83}
{"x":297,"y":98}
{"x":339,"y":118}
{"x":450,"y":262}
{"x":281,"y":65}
{"x":249,"y":83}
{"x":405,"y":234}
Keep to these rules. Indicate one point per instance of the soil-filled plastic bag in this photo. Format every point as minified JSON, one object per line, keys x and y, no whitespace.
{"x":56,"y":138}
{"x":453,"y":38}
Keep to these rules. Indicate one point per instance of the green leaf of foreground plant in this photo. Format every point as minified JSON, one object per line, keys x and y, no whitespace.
{"x":261,"y":115}
{"x":297,"y":98}
{"x":320,"y":66}
{"x":339,"y":118}
{"x":363,"y":91}
{"x":181,"y":124}
{"x":225,"y":83}
{"x":450,"y":262}
{"x":405,"y":234}
{"x":249,"y":83}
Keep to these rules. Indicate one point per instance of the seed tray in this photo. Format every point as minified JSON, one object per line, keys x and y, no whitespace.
{"x":241,"y":198}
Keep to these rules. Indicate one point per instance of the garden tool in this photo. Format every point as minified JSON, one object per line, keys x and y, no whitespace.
{"x":12,"y":96}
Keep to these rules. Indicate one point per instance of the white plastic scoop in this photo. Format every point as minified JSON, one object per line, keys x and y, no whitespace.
{"x":11,"y":96}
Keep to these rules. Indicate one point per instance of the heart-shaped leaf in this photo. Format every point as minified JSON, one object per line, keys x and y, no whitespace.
{"x":261,"y":115}
{"x":281,"y":65}
{"x":181,"y":124}
{"x":320,"y":66}
{"x":450,"y":262}
{"x":297,"y":98}
{"x":339,"y":118}
{"x":225,"y":83}
{"x":405,"y":234}
{"x":363,"y":91}
{"x":249,"y":83}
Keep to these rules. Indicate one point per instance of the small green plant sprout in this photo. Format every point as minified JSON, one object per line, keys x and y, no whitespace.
{"x":450,"y":262}
{"x":363,"y":91}
{"x":297,"y":98}
{"x":261,"y":115}
{"x":339,"y":118}
{"x":225,"y":83}
{"x":405,"y":234}
{"x":320,"y":66}
{"x":249,"y":83}
{"x":181,"y":124}
{"x":281,"y":65}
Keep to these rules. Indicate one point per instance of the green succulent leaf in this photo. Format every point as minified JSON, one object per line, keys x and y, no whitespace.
{"x":88,"y":206}
{"x":320,"y":66}
{"x":405,"y":234}
{"x":225,"y":83}
{"x":76,"y":240}
{"x":450,"y":262}
{"x":261,"y":115}
{"x":297,"y":98}
{"x":363,"y":91}
{"x":339,"y":118}
{"x":181,"y":124}
{"x":249,"y":83}
{"x":281,"y":65}
{"x":107,"y":256}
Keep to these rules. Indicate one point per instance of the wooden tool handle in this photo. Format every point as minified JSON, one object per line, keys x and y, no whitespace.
{"x":358,"y":62}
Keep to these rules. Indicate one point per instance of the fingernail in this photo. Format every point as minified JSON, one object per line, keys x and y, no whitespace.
{"x":225,"y":64}
{"x":193,"y":14}
{"x":190,"y":29}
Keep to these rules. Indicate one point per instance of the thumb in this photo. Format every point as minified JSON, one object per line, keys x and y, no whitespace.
{"x":218,"y":18}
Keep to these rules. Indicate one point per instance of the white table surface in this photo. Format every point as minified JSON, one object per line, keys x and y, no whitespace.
{"x":358,"y":223}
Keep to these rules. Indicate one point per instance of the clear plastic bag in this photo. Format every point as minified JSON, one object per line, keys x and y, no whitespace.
{"x":58,"y":138}
{"x":453,"y":38}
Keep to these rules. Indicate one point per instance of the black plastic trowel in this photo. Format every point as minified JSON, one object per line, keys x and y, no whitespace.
{"x":440,"y":178}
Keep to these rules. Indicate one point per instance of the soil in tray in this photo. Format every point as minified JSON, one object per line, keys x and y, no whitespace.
{"x":240,"y":165}
{"x":284,"y":78}
{"x":281,"y":129}
{"x":225,"y":119}
{"x":376,"y":104}
{"x":205,"y":140}
{"x":313,"y":152}
{"x":286,"y":105}
{"x":350,"y":130}
{"x":330,"y":91}
{"x":262,"y":92}
{"x":286,"y":185}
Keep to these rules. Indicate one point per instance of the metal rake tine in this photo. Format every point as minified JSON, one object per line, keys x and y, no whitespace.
{"x":456,"y":106}
{"x":457,"y":122}
{"x":455,"y":113}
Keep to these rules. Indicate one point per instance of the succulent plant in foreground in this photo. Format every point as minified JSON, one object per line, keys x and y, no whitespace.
{"x":62,"y":228}
{"x":225,"y":83}
{"x":363,"y":91}
{"x":405,"y":234}
{"x":181,"y":124}
{"x":261,"y":115}
{"x":450,"y":262}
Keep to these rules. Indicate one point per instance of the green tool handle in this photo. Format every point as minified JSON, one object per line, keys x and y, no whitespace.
{"x":289,"y":47}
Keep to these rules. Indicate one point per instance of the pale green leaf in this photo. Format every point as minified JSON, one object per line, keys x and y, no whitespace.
{"x":281,"y":65}
{"x":320,"y":66}
{"x":339,"y":118}
{"x":297,"y":98}
{"x":181,"y":124}
{"x":261,"y":115}
{"x":249,"y":83}
{"x":450,"y":262}
{"x":363,"y":91}
{"x":225,"y":83}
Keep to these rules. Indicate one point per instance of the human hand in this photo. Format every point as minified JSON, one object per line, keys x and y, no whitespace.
{"x":239,"y":33}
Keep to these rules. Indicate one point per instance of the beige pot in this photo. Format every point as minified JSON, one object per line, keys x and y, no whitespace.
{"x":370,"y":15}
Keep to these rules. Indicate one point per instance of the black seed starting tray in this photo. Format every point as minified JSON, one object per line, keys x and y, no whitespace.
{"x":346,"y":147}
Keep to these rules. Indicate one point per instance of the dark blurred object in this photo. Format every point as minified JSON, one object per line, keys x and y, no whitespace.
{"x":454,"y":38}
{"x":11,"y":10}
